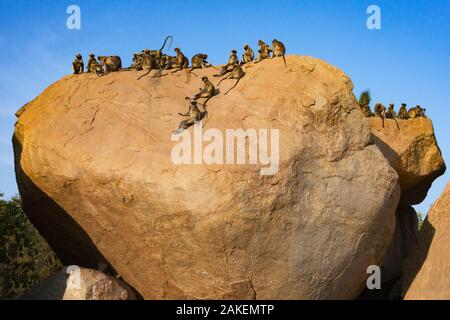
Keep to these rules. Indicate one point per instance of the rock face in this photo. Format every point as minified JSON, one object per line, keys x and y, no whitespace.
{"x":75,"y":283}
{"x":427,"y":268}
{"x":413,"y":152}
{"x":403,"y":242}
{"x":405,"y":239}
{"x":94,"y":168}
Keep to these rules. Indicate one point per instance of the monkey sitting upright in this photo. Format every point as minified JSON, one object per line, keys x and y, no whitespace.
{"x":90,"y":62}
{"x":199,"y":61}
{"x":390,"y":114}
{"x":194,"y":115}
{"x":416,"y":112}
{"x":181,"y":62}
{"x":238,"y":73}
{"x":380,"y":111}
{"x":208,"y":91}
{"x":137,"y":61}
{"x":93,"y":66}
{"x":279,"y":50}
{"x":167,"y":62}
{"x":151,"y":63}
{"x":78,"y":64}
{"x":230,"y":64}
{"x":248,"y":55}
{"x":111,"y":63}
{"x":264,"y":51}
{"x":403,"y":113}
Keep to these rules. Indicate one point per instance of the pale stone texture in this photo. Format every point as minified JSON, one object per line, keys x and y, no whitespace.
{"x":95,"y":173}
{"x":75,"y":283}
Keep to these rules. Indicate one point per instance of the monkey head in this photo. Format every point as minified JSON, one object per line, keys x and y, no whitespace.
{"x":193,"y":103}
{"x":79,"y":56}
{"x":421,"y":110}
{"x":233,"y":52}
{"x":379,"y":106}
{"x":205,"y":79}
{"x":91,"y":55}
{"x":246,"y":47}
{"x":177,"y":50}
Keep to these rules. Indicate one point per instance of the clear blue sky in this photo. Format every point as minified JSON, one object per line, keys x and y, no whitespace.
{"x":408,"y":60}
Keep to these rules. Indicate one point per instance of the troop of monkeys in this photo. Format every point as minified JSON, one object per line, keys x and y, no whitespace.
{"x":389,"y":113}
{"x":155,"y":60}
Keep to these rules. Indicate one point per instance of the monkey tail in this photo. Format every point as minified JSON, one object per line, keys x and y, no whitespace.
{"x":192,"y":72}
{"x":165,"y":41}
{"x":284,"y":59}
{"x":161,"y":75}
{"x":221,"y":81}
{"x":206,"y":101}
{"x":206,"y":117}
{"x":233,"y":86}
{"x":398,"y":126}
{"x":144,"y":74}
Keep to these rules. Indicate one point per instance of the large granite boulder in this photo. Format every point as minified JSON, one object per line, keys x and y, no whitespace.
{"x":94,"y":168}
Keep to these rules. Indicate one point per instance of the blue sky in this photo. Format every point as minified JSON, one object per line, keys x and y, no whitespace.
{"x":408,"y":60}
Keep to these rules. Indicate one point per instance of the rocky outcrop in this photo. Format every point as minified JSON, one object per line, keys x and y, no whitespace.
{"x":427,"y":268}
{"x":94,"y":168}
{"x":75,"y":283}
{"x":413,"y":152}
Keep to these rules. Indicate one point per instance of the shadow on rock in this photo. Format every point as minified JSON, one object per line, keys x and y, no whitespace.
{"x":414,"y":262}
{"x":69,"y":241}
